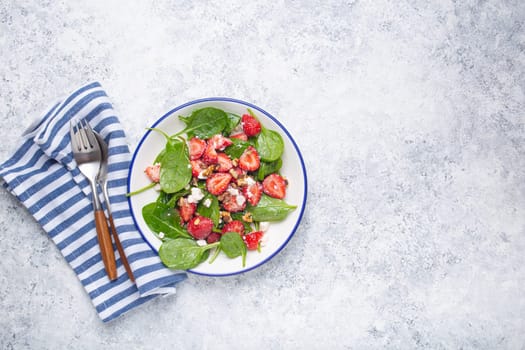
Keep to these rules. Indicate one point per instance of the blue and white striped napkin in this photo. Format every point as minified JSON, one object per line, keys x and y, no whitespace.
{"x":43,"y":175}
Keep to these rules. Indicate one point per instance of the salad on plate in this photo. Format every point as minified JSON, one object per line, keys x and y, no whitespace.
{"x":219,"y":188}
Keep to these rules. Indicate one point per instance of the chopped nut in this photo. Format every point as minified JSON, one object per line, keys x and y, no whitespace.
{"x":247,"y":217}
{"x":226,"y":217}
{"x":241,"y":181}
{"x":234,"y":173}
{"x":223,"y":196}
{"x":208,"y":171}
{"x":235,"y":162}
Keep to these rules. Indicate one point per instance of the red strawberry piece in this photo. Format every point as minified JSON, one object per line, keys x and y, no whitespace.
{"x":225,"y":163}
{"x":197,"y":166}
{"x":213,"y":237}
{"x":249,"y":160}
{"x":197,"y":147}
{"x":186,"y":209}
{"x":253,"y":192}
{"x":217,"y":183}
{"x":250,"y":125}
{"x":252,"y":240}
{"x":274,"y":185}
{"x":200,"y":227}
{"x":153,"y":172}
{"x":220,"y":142}
{"x":210,"y":154}
{"x":233,"y":202}
{"x":240,"y":136}
{"x":234,"y":226}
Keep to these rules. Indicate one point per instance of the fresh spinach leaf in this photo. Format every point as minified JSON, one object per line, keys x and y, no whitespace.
{"x":267,"y":168}
{"x":269,"y":144}
{"x":233,"y":121}
{"x":205,"y":256}
{"x":175,"y":168}
{"x":185,"y":120}
{"x":161,"y":218}
{"x":159,"y":156}
{"x":205,"y":122}
{"x":270,"y":209}
{"x":236,"y":149}
{"x":164,"y":198}
{"x":233,"y":245}
{"x":183,"y":253}
{"x":213,"y":211}
{"x":177,"y":195}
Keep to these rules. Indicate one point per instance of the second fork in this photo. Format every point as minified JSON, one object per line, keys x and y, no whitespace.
{"x":87,"y":154}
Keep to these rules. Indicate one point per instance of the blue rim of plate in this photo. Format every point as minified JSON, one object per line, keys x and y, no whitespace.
{"x":303,"y":168}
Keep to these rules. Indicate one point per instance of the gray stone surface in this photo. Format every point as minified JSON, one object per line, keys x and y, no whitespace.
{"x":410,"y":116}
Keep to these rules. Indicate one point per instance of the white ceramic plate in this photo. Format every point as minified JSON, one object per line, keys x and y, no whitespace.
{"x":278,"y":234}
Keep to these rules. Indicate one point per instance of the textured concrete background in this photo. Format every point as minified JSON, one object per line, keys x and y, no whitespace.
{"x":410,"y":116}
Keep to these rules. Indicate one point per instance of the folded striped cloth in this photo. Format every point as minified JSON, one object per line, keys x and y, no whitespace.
{"x":43,"y":175}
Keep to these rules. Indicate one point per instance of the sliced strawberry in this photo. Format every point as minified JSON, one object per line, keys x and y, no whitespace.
{"x":153,"y":172}
{"x":217,"y":183}
{"x":240,"y":136}
{"x":200,"y":227}
{"x":234,"y":226}
{"x":197,"y":167}
{"x":233,"y":202}
{"x":197,"y":147}
{"x":225,"y":163}
{"x":252,"y":240}
{"x":250,"y":125}
{"x":274,"y":185}
{"x":213,"y":237}
{"x":249,"y":160}
{"x":253,"y":192}
{"x":220,"y":142}
{"x":210,"y":154}
{"x":186,"y":209}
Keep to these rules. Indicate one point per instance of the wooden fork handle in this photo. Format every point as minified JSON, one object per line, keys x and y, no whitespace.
{"x":123,"y":257}
{"x":106,"y":247}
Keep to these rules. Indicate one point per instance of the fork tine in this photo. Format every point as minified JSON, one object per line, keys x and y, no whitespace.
{"x":83,"y":139}
{"x":74,"y":137}
{"x":90,"y":134}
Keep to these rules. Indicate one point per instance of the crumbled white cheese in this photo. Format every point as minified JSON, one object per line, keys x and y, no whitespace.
{"x":161,"y":235}
{"x":240,"y":199}
{"x":264,"y":225}
{"x":201,"y":242}
{"x":250,"y":181}
{"x":196,"y":195}
{"x":233,"y":191}
{"x":207,"y":202}
{"x":201,"y":175}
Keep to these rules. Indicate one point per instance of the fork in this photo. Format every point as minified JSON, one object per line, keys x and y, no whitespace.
{"x":102,"y":179}
{"x":88,"y":156}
